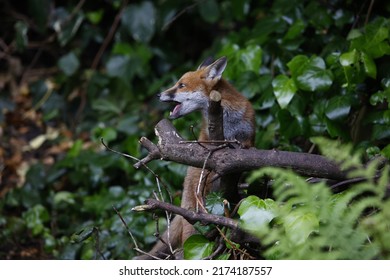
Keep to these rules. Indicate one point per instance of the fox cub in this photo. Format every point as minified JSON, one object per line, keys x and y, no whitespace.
{"x":191,"y":93}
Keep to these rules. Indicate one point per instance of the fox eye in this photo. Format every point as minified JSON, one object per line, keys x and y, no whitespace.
{"x":181,"y":85}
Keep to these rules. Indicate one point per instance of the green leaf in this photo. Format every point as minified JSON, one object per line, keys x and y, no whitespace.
{"x":386,"y":151}
{"x":380,"y":132}
{"x":295,"y":30}
{"x":82,"y":235}
{"x":242,"y":60}
{"x":35,"y":218}
{"x":335,"y":129}
{"x":69,"y":63}
{"x":299,"y":225}
{"x":369,"y":65}
{"x":284,"y":90}
{"x":314,"y":76}
{"x":64,"y":197}
{"x":21,"y":37}
{"x":240,"y":8}
{"x":289,"y":125}
{"x":118,"y":66}
{"x":338,"y":108}
{"x":106,"y":105}
{"x":256,"y":214}
{"x":209,"y":10}
{"x":295,"y":65}
{"x":251,"y":57}
{"x":353,"y":34}
{"x":197,"y":247}
{"x":128,"y":124}
{"x":95,"y":16}
{"x":139,"y":21}
{"x":66,"y":25}
{"x":349,"y":58}
{"x":106,"y":133}
{"x":214,"y":203}
{"x":380,"y":97}
{"x":374,"y":39}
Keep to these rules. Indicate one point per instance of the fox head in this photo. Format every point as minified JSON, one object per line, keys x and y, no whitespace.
{"x":191,"y":91}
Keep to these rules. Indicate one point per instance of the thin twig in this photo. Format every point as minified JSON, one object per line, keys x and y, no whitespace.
{"x":234,"y":246}
{"x":109,"y":36}
{"x":158,"y":181}
{"x":166,"y":26}
{"x":136,"y":248}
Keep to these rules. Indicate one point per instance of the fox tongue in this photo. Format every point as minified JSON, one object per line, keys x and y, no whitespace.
{"x":175,"y":113}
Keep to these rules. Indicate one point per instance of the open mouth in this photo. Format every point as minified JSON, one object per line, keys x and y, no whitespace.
{"x":175,"y":113}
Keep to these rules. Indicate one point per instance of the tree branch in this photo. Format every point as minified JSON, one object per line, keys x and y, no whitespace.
{"x":191,"y":216}
{"x":172,"y":147}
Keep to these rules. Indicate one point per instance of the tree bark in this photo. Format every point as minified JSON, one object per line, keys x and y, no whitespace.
{"x":172,"y":147}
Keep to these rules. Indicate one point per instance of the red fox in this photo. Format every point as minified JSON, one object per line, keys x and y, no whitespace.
{"x":191,"y":93}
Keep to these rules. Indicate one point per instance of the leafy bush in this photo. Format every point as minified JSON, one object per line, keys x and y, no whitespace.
{"x":307,"y":221}
{"x":71,"y":74}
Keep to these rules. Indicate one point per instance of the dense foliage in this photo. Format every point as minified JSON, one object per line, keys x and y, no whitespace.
{"x":73,"y":72}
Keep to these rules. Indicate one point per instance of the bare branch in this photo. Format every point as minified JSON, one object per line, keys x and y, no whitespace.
{"x":225,"y":161}
{"x":191,"y":216}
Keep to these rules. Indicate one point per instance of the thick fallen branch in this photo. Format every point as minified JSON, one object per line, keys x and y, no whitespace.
{"x":172,"y":147}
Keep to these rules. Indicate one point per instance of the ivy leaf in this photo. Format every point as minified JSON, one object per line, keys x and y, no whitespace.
{"x":310,"y":74}
{"x":139,"y":21}
{"x":251,"y":56}
{"x":376,"y":35}
{"x":369,"y":65}
{"x":214,"y":203}
{"x":299,"y":225}
{"x":295,"y":30}
{"x":338,"y":108}
{"x":82,"y":235}
{"x":291,"y":126}
{"x":66,"y":26}
{"x":386,"y":151}
{"x":35,"y":218}
{"x":380,"y":97}
{"x":197,"y":247}
{"x":295,"y":65}
{"x":69,"y":63}
{"x":314,"y":76}
{"x":380,"y":131}
{"x":95,"y":17}
{"x":335,"y":129}
{"x":284,"y":90}
{"x":209,"y":10}
{"x":349,"y":58}
{"x":255,"y":214}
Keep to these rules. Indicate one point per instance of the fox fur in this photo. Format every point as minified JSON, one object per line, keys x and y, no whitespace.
{"x":191,"y":93}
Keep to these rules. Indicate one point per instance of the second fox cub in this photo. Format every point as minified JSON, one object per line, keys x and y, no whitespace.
{"x":191,"y":93}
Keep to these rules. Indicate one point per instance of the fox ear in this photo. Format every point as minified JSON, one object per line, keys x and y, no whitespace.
{"x":215,"y":70}
{"x":206,"y":62}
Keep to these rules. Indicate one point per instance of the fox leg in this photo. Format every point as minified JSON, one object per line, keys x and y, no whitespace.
{"x":180,"y":229}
